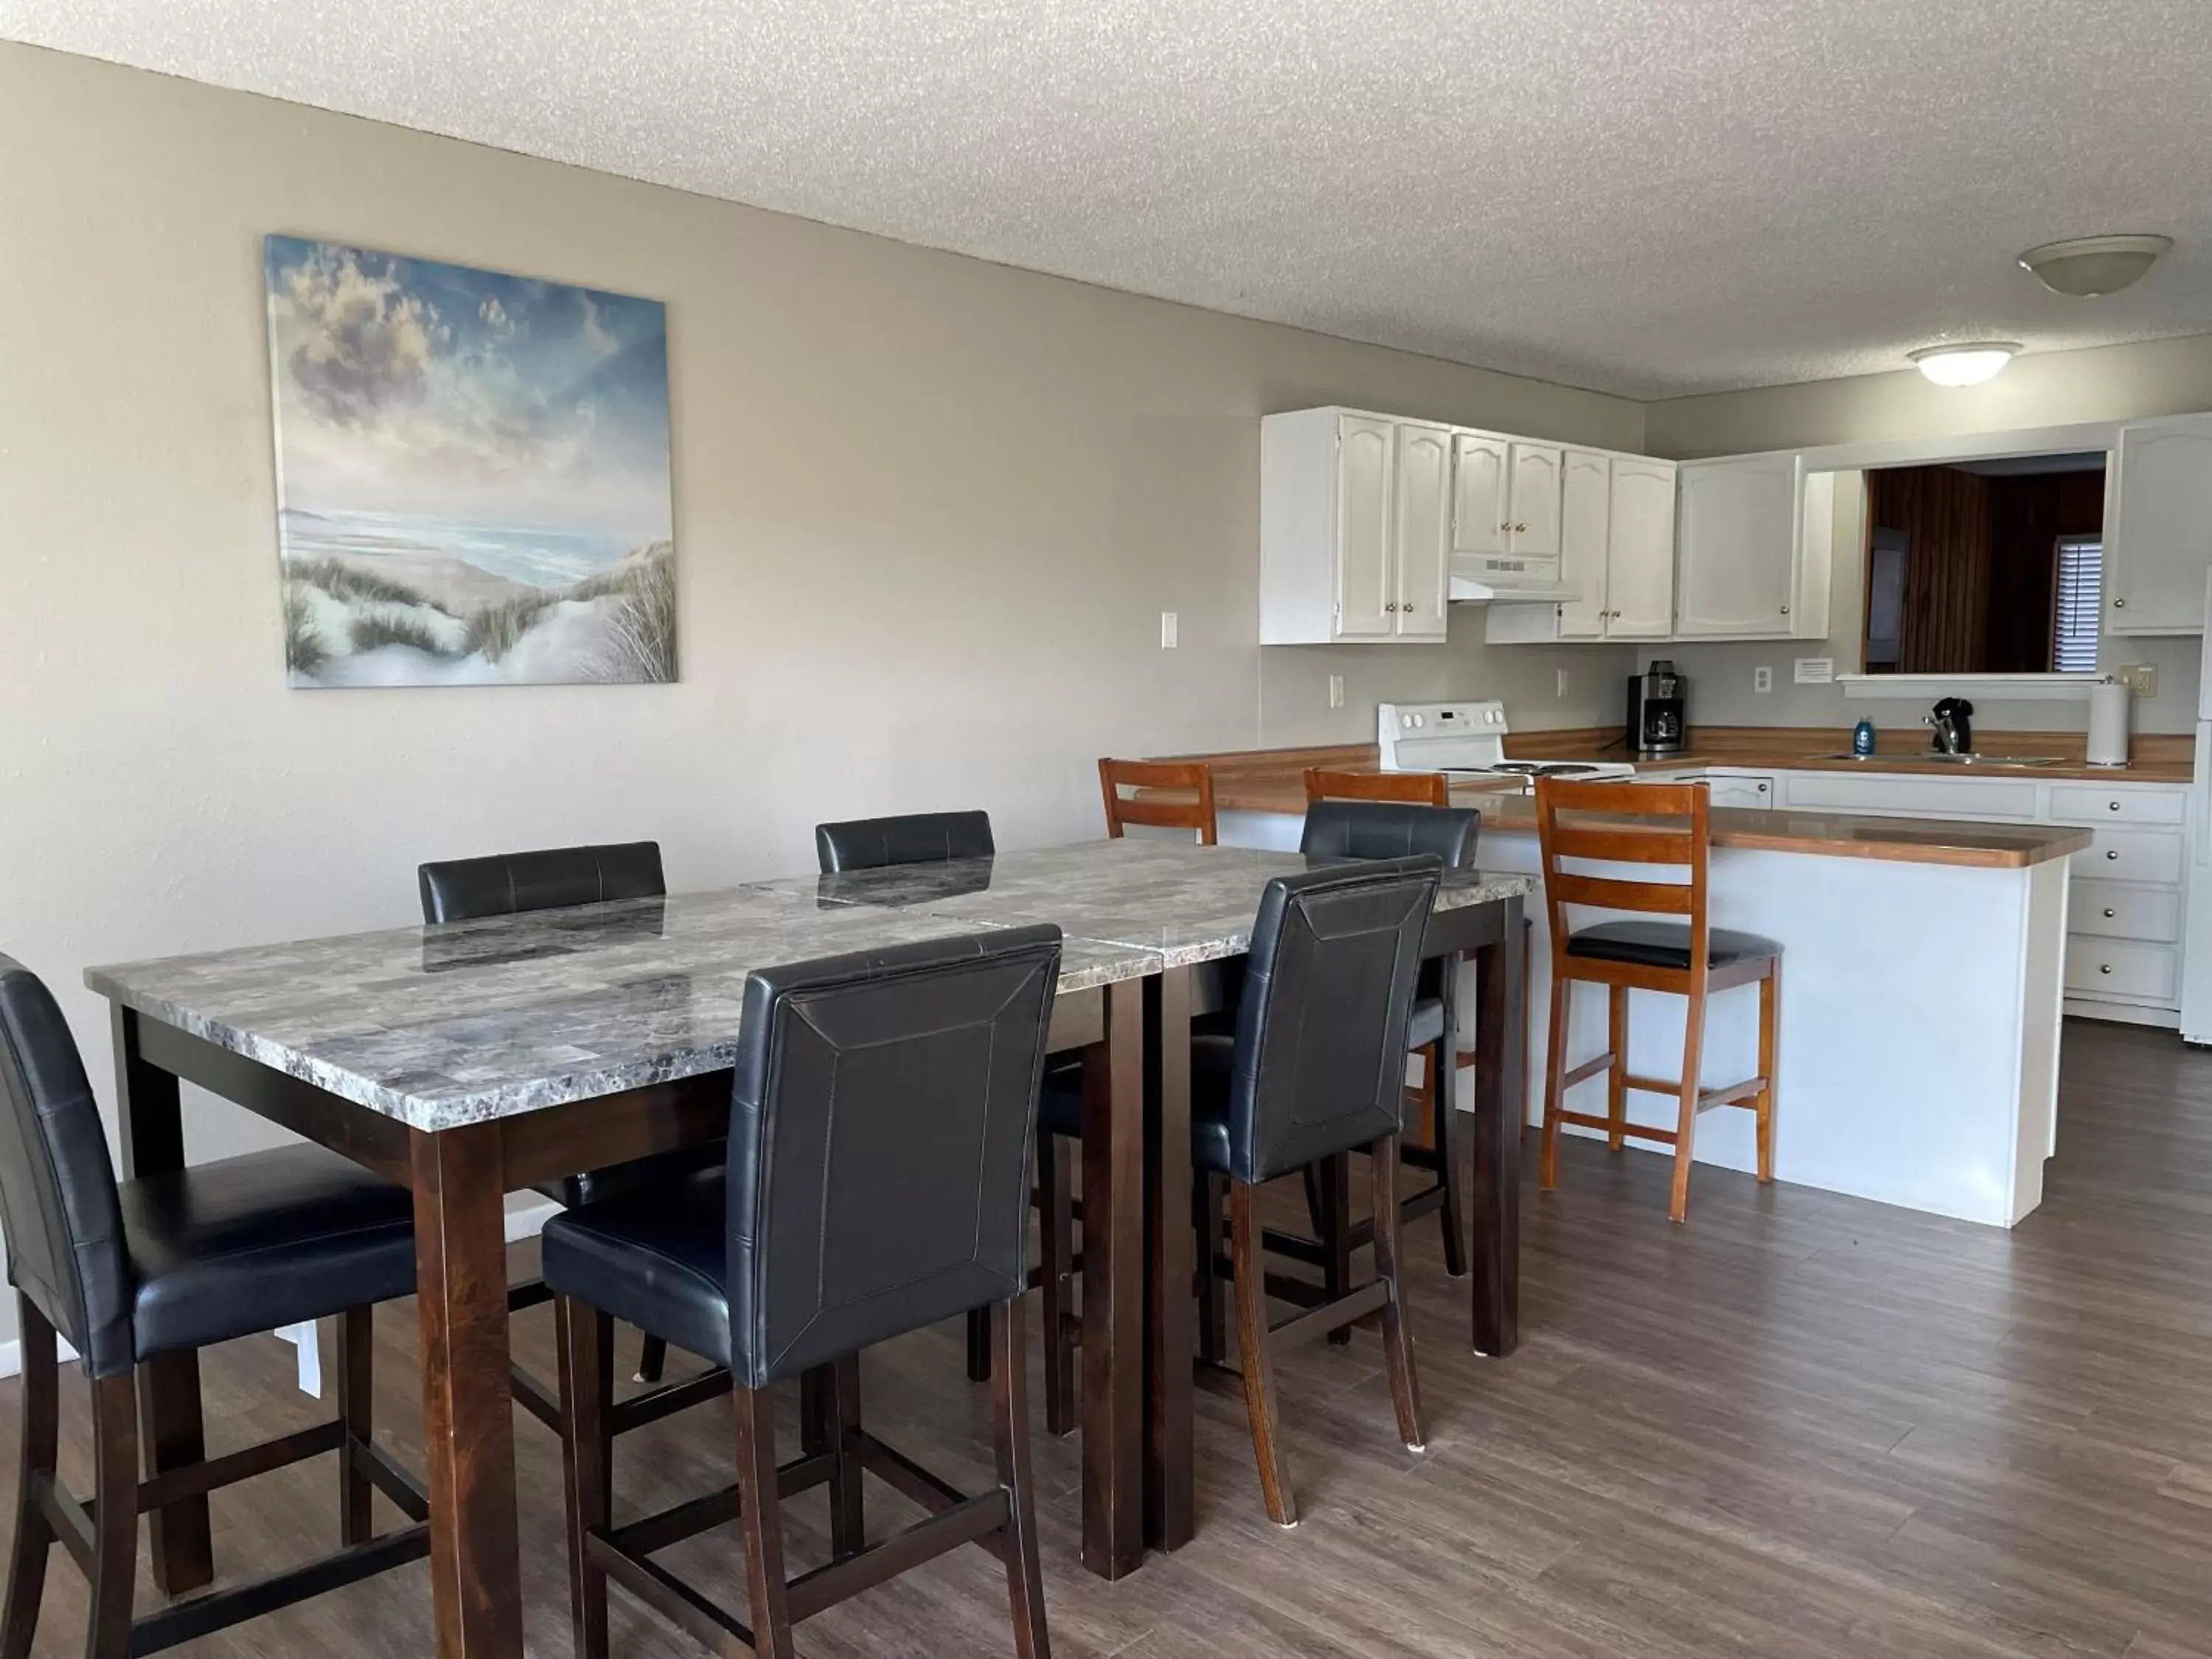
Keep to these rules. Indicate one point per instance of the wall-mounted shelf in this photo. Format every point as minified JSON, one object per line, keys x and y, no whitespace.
{"x":1978,"y":688}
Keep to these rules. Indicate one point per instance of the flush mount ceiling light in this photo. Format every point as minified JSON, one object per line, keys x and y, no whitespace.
{"x":1965,"y":365}
{"x":2090,"y":265}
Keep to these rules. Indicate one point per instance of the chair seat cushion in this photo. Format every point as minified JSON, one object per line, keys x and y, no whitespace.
{"x":571,"y":1192}
{"x":1426,"y":1024}
{"x":657,"y":1258}
{"x":1666,"y":945}
{"x":222,"y":1250}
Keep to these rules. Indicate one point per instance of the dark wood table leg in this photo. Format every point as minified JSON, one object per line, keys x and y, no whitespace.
{"x":468,"y":1419}
{"x":1501,"y":1101}
{"x":1113,"y":1289}
{"x":1170,"y":1486}
{"x":170,"y":1421}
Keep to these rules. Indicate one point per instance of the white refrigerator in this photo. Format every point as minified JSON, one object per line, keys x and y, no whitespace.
{"x":2196,"y":942}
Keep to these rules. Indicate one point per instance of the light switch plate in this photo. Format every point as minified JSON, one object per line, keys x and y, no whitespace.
{"x":1562,"y":683}
{"x":2141,"y":678}
{"x":1814,"y":671}
{"x":1336,"y":690}
{"x":1762,"y":678}
{"x":1167,"y":630}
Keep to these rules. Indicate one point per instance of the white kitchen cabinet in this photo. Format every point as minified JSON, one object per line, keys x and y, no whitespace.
{"x":1355,"y":528}
{"x":1423,"y":531}
{"x":1481,"y":508}
{"x":1740,"y":541}
{"x":2161,"y":540}
{"x":1533,"y":500}
{"x":1639,"y":583}
{"x":1585,"y":543}
{"x":1739,"y":789}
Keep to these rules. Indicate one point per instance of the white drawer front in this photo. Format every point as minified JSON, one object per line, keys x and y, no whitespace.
{"x":2109,"y":910}
{"x":2072,"y":803}
{"x":2118,"y":967}
{"x":1917,"y":797}
{"x":2153,"y":855}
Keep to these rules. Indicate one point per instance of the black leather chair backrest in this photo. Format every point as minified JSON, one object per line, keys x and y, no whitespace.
{"x":1390,"y":829}
{"x":880,"y":1135}
{"x":1320,"y":1031}
{"x":507,"y":884}
{"x":917,"y":838}
{"x":58,"y":1198}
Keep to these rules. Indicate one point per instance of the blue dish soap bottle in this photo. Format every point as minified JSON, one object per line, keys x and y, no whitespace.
{"x":1863,"y":738}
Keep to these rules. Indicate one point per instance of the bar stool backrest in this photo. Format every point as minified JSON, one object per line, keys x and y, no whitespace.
{"x":57,"y":1197}
{"x":1192,"y":808}
{"x":1388,"y":829}
{"x":1321,"y":1032}
{"x":1655,"y":826}
{"x":508,"y":884}
{"x":880,"y":1131}
{"x":1420,"y":788}
{"x":914,"y":838}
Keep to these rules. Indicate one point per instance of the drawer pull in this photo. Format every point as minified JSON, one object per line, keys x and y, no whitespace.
{"x":2113,"y":852}
{"x":2105,"y":968}
{"x":2115,"y":806}
{"x":2110,"y":912}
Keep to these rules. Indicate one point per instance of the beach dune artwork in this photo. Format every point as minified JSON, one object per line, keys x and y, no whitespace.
{"x":472,"y":475}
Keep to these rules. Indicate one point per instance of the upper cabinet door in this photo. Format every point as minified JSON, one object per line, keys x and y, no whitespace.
{"x":1424,"y":522}
{"x":1480,"y":521}
{"x":1533,"y":500}
{"x":1366,"y":581}
{"x":1640,"y":579}
{"x":2157,"y":548}
{"x":1585,"y":515}
{"x":1740,"y":539}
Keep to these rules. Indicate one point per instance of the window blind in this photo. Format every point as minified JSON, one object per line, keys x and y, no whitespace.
{"x":2080,"y":606}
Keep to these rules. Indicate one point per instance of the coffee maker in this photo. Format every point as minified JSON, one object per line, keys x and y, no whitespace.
{"x":1657,"y":699}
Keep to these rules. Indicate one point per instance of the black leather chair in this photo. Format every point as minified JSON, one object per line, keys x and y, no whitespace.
{"x":1386,"y":829}
{"x":510,"y":884}
{"x":1315,"y":1070}
{"x":916,"y":838}
{"x":877,"y":1182}
{"x":940,"y":838}
{"x":163,"y":1265}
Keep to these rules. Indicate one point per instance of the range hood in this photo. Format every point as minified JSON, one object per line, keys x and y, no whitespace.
{"x":1473,"y":583}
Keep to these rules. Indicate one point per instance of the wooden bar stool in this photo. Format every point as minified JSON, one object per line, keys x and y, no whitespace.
{"x":1415,"y":788}
{"x":1646,"y":824}
{"x":1150,"y":811}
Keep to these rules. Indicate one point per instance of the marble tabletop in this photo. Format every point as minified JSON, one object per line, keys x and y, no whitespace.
{"x":447,"y":1026}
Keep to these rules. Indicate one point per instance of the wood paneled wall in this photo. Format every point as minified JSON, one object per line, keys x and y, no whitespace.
{"x":1944,"y":514}
{"x":2027,"y":515}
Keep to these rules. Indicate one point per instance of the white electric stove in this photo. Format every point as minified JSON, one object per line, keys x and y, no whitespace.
{"x":1466,"y":741}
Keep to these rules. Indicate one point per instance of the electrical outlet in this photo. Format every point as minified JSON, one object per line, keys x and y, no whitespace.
{"x":1336,"y":690}
{"x":2141,"y":678}
{"x":1762,"y":678}
{"x":1562,"y":683}
{"x":1167,"y":630}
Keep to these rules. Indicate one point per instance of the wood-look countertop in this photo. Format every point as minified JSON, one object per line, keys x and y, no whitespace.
{"x":1273,"y":780}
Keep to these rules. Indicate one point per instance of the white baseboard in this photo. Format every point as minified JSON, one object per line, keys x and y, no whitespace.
{"x":523,"y":1223}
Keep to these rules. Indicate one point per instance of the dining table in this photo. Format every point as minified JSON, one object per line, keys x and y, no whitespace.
{"x":473,"y":1060}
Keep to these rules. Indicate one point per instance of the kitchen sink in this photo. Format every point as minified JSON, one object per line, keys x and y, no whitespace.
{"x":1929,"y":756}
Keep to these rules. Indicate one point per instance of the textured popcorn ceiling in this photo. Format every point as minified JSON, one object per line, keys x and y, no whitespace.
{"x":1647,"y":197}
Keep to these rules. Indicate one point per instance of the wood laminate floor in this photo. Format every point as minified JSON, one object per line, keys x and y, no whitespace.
{"x":1801,"y":1426}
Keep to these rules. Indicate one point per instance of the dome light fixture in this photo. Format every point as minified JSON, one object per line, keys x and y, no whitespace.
{"x":1967,"y":364}
{"x":2090,"y":265}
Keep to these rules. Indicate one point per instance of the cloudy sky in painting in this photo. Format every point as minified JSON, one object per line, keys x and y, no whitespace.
{"x":406,"y":385}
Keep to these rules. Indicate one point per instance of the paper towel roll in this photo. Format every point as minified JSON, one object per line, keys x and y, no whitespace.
{"x":2108,"y":724}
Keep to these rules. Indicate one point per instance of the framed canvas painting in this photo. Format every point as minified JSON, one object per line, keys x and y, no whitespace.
{"x":472,"y":474}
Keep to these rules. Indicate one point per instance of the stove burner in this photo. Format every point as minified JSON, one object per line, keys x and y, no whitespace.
{"x":1544,"y":769}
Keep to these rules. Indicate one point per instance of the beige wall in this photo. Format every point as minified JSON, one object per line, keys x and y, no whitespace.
{"x":928,"y":511}
{"x":2112,"y":383}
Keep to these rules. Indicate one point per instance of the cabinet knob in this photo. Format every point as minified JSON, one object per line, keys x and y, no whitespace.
{"x":2113,"y":806}
{"x":1785,"y":610}
{"x":1521,"y":529}
{"x":1505,"y":526}
{"x":2110,"y":912}
{"x":1762,"y":788}
{"x":2105,"y":968}
{"x":2119,"y":604}
{"x":2113,"y":853}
